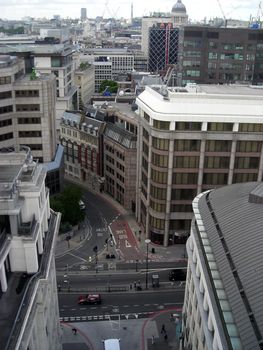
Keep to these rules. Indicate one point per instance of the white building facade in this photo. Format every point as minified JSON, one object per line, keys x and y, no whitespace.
{"x":190,"y":140}
{"x":28,"y":234}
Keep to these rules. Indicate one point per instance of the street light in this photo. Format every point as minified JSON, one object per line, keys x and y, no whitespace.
{"x":147,"y":241}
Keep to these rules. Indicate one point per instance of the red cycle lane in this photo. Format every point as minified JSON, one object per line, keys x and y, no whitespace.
{"x":126,"y":243}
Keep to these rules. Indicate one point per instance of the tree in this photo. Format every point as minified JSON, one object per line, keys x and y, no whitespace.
{"x":83,"y":66}
{"x":110,"y":84}
{"x":67,"y":203}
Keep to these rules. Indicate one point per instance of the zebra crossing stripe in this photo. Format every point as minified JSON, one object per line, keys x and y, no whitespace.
{"x":72,"y":318}
{"x":83,"y":318}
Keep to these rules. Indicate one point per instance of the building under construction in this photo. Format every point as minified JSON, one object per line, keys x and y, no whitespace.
{"x":163,"y":46}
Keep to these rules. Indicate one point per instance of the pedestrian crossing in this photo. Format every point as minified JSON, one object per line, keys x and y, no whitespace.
{"x":93,"y":318}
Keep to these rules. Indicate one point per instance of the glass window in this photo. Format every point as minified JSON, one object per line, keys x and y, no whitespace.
{"x":157,"y":206}
{"x":187,"y":145}
{"x":248,"y":146}
{"x":145,"y":148}
{"x":161,"y":144}
{"x":157,"y":223}
{"x":220,"y":126}
{"x":246,"y":162}
{"x":218,"y":146}
{"x":188,"y":126}
{"x":183,"y":194}
{"x":212,"y":55}
{"x":145,"y":134}
{"x":159,"y":176}
{"x":160,"y":160}
{"x":160,"y":124}
{"x":158,"y":193}
{"x":185,"y":178}
{"x":146,"y":116}
{"x":186,"y":162}
{"x":241,"y":177}
{"x":217,"y":162}
{"x":245,"y":127}
{"x":181,"y":208}
{"x":215,"y":179}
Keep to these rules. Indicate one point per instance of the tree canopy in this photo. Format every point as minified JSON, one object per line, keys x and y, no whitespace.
{"x":110,"y":84}
{"x":67,"y":202}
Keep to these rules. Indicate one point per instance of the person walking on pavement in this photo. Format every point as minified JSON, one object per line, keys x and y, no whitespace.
{"x":165,"y":337}
{"x":74,"y":330}
{"x":163,"y":330}
{"x":153,"y":339}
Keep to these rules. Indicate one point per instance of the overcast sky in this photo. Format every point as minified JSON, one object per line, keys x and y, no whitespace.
{"x":17,"y":9}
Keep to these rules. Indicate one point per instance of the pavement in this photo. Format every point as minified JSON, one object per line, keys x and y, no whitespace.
{"x":149,"y":332}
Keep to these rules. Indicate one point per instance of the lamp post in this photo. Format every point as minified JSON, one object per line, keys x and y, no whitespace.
{"x":147,"y":241}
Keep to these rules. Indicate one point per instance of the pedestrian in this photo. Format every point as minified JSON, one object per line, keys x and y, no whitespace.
{"x":153,"y":339}
{"x":135,"y":285}
{"x":74,"y":331}
{"x":166,"y":337}
{"x":172,"y":318}
{"x":130,"y":286}
{"x":163,"y":330}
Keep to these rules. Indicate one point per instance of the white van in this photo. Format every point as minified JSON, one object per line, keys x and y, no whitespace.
{"x":81,"y":205}
{"x":111,"y":344}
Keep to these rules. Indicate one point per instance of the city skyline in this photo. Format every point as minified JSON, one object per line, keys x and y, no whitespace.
{"x":237,"y":9}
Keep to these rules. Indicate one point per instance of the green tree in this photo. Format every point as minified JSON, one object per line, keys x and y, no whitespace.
{"x":110,"y":84}
{"x":67,"y":202}
{"x":83,"y":66}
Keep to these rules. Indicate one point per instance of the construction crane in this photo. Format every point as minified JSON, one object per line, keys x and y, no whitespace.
{"x":223,"y":13}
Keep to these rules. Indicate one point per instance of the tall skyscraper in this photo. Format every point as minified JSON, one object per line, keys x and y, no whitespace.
{"x":83,"y":14}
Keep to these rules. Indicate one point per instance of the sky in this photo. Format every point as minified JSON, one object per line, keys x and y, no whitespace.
{"x":197,"y":10}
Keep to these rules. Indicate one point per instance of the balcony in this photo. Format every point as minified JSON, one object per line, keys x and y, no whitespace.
{"x":28,"y":228}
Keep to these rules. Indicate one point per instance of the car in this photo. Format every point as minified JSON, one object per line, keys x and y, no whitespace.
{"x":82,"y":205}
{"x":111,"y":344}
{"x":89,"y":299}
{"x":177,"y":275}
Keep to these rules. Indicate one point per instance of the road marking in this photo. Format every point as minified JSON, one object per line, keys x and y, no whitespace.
{"x":126,"y":305}
{"x":83,"y":308}
{"x":127,"y":244}
{"x":73,"y":309}
{"x":77,"y":257}
{"x":136,"y":305}
{"x":146,"y":304}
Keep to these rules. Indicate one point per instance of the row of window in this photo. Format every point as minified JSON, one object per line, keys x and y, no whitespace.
{"x":27,"y":93}
{"x":27,"y":107}
{"x":5,"y":122}
{"x":30,"y":133}
{"x":29,"y":120}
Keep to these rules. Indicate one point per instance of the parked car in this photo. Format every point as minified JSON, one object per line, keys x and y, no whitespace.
{"x":89,"y":299}
{"x":177,"y":275}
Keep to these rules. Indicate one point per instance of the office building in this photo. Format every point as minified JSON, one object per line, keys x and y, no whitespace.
{"x":28,"y":232}
{"x":83,"y":14}
{"x":222,"y":306}
{"x":27,"y":113}
{"x":84,"y":77}
{"x":211,"y":55}
{"x":189,"y":140}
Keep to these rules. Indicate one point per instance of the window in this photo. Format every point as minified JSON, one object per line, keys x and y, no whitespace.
{"x":245,"y":127}
{"x":187,"y":145}
{"x":193,"y":34}
{"x":213,"y":44}
{"x":217,"y":162}
{"x":212,"y":55}
{"x":181,"y":208}
{"x":160,"y":160}
{"x":5,"y":94}
{"x":179,"y":225}
{"x":213,"y":35}
{"x":6,"y":109}
{"x":157,"y":206}
{"x":215,"y":179}
{"x":192,"y":73}
{"x":244,"y":177}
{"x":183,"y":194}
{"x":6,"y":136}
{"x":246,"y":163}
{"x":5,"y":80}
{"x":29,"y":120}
{"x":30,"y":134}
{"x":218,"y":146}
{"x":35,"y":147}
{"x":160,"y":124}
{"x":186,"y":162}
{"x":188,"y":126}
{"x":161,"y":144}
{"x":5,"y":122}
{"x":159,"y":176}
{"x":145,"y":148}
{"x":157,"y":223}
{"x":27,"y":107}
{"x":248,"y":146}
{"x":27,"y":93}
{"x":145,"y":134}
{"x":146,"y":116}
{"x":185,"y":178}
{"x":144,"y":164}
{"x":158,"y":193}
{"x":220,"y":126}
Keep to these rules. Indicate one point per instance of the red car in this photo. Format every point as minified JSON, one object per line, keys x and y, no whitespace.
{"x":89,"y":299}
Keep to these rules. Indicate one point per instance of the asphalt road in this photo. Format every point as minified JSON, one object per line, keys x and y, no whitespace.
{"x":99,"y":213}
{"x":122,"y":303}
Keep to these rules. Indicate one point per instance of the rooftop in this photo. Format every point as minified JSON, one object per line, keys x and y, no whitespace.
{"x":231,"y":225}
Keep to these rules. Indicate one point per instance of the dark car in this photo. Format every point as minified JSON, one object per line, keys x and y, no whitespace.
{"x":89,"y":299}
{"x":177,"y":275}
